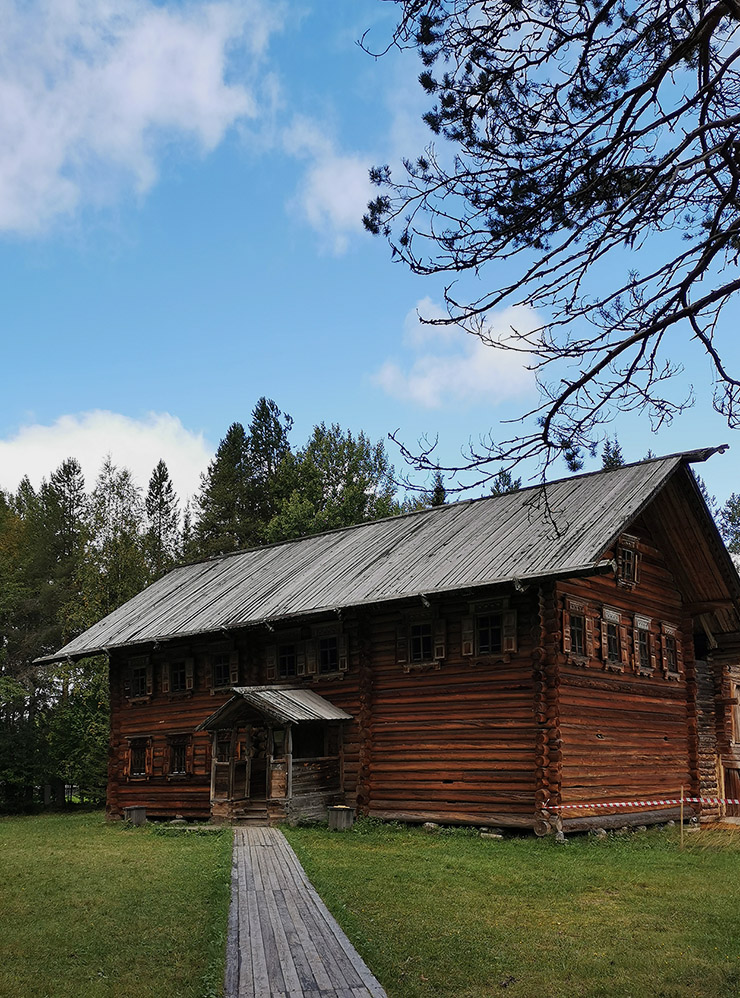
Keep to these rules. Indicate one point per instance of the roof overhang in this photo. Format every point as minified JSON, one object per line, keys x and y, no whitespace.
{"x":286,"y":705}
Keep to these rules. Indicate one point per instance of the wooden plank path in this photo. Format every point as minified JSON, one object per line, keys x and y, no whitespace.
{"x":282,"y":940}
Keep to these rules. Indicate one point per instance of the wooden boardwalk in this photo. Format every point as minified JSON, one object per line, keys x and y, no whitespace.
{"x":283,"y":942}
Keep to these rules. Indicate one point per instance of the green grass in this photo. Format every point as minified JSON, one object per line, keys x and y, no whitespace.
{"x":456,"y":916}
{"x":89,"y":908}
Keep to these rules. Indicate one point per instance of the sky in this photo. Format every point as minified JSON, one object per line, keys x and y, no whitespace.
{"x":181,"y":193}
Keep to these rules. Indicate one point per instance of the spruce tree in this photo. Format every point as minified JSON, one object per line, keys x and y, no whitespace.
{"x":611,"y":456}
{"x":162,"y":538}
{"x":225,"y":522}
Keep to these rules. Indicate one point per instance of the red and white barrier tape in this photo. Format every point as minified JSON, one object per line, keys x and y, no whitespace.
{"x":644,"y":803}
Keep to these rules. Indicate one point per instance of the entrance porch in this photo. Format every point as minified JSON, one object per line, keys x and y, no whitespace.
{"x":277,"y":754}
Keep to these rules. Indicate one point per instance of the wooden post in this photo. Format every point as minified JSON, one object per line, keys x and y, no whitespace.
{"x":682,"y":815}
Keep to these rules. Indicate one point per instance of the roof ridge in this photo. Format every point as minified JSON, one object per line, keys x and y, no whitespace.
{"x":697,"y":455}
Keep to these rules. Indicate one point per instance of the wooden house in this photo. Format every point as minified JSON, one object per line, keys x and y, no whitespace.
{"x":484,"y":662}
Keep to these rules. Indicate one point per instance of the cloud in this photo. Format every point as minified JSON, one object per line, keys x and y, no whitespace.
{"x":451,"y":366}
{"x":335,"y":189}
{"x":138,"y":444}
{"x":92,"y":91}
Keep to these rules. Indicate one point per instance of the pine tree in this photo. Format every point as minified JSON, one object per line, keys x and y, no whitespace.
{"x":162,"y":538}
{"x":269,"y":447}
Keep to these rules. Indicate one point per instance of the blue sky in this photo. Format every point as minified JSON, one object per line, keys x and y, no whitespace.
{"x":181,"y":192}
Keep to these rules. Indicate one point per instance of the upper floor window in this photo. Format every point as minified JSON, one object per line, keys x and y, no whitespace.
{"x":328,"y":654}
{"x":672,"y":653}
{"x":628,"y":558}
{"x":286,"y":661}
{"x":491,"y":631}
{"x":138,"y":678}
{"x":221,"y":665}
{"x":615,"y":650}
{"x":178,"y":675}
{"x":578,"y":630}
{"x":421,"y":640}
{"x":643,"y":646}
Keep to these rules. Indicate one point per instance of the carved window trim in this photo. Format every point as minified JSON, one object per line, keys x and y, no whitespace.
{"x":583,"y":611}
{"x":139,"y":758}
{"x":671,"y":651}
{"x":477,"y":627}
{"x":643,"y":636}
{"x":615,"y":647}
{"x":628,"y":561}
{"x":409,"y":644}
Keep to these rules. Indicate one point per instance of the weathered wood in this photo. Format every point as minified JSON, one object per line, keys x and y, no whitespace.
{"x":286,"y":941}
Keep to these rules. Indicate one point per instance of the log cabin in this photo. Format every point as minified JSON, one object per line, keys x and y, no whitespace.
{"x":487,"y":662}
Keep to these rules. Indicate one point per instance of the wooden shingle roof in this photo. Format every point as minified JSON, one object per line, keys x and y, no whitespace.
{"x":557,"y":530}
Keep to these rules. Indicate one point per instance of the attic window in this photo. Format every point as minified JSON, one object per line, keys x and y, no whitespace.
{"x":628,"y":558}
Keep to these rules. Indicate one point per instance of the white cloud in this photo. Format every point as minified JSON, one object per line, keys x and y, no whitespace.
{"x":335,"y":189}
{"x":138,"y":444}
{"x":91,"y":90}
{"x":453,"y":367}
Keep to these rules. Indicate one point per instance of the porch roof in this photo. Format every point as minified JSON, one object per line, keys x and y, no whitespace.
{"x":280,"y":703}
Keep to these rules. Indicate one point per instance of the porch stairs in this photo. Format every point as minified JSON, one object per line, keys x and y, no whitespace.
{"x":253,"y":814}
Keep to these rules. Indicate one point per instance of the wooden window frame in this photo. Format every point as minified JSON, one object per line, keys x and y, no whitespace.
{"x":312,"y":652}
{"x":628,"y":561}
{"x":223,"y":651}
{"x":614,"y":624}
{"x":188,"y":673}
{"x":405,"y":638}
{"x":143,"y":663}
{"x":138,"y":743}
{"x":734,"y":711}
{"x":574,"y":607}
{"x":472,"y":625}
{"x":644,"y":625}
{"x":176,"y":741}
{"x":670,"y":638}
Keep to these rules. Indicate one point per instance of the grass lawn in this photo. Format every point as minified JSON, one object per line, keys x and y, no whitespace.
{"x":90,"y":908}
{"x":456,"y":916}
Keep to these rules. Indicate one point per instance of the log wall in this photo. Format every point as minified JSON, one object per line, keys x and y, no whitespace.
{"x":627,"y":733}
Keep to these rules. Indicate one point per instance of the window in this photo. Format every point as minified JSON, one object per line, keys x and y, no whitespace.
{"x":138,"y":678}
{"x":420,"y":642}
{"x":628,"y":558}
{"x":286,"y":661}
{"x":138,"y":681}
{"x":578,"y":631}
{"x":221,"y":666}
{"x":177,"y":677}
{"x":179,"y":755}
{"x":139,"y":761}
{"x":643,"y":650}
{"x":328,"y":654}
{"x":578,"y":634}
{"x":615,"y":647}
{"x":612,"y":642}
{"x":492,"y":631}
{"x":734,"y":711}
{"x":671,"y":652}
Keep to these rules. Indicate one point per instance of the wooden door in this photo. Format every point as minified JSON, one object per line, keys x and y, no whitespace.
{"x":732,"y":790}
{"x":257,"y":751}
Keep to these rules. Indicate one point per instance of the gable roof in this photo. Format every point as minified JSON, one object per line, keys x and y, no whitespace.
{"x":561,"y":529}
{"x":288,"y":706}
